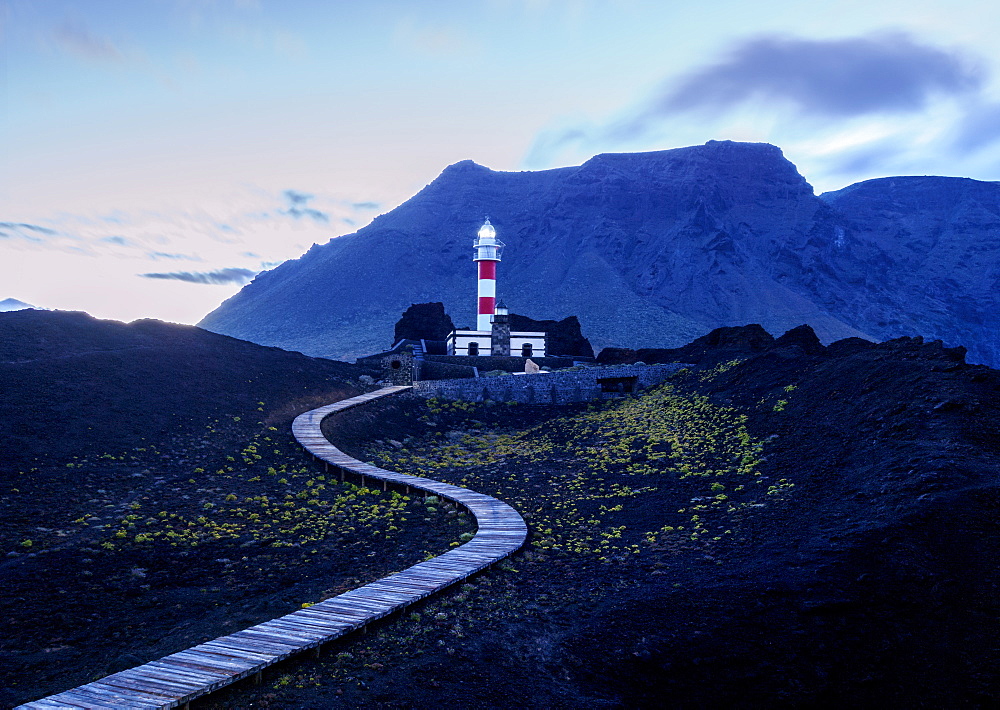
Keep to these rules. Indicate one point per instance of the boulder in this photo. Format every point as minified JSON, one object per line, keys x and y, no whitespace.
{"x":565,"y":338}
{"x":424,"y":321}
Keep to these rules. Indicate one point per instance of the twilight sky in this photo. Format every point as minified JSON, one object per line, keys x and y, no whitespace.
{"x":155,"y":154}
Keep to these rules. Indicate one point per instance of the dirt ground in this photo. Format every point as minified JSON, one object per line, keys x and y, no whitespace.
{"x":786,"y":525}
{"x":859,"y":570}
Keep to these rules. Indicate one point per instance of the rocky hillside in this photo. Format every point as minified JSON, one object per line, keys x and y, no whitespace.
{"x":654,"y":249}
{"x":795,"y":526}
{"x":784,"y":525}
{"x":74,"y":385}
{"x":929,"y":243}
{"x":144,"y":480}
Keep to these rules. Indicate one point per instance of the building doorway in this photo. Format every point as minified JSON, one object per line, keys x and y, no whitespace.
{"x":473,"y":349}
{"x":526,"y":350}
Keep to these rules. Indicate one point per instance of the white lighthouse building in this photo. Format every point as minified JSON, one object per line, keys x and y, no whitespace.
{"x":492,"y":335}
{"x":487,"y":255}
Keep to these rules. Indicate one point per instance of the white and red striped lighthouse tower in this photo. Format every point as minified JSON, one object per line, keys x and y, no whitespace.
{"x":487,"y":248}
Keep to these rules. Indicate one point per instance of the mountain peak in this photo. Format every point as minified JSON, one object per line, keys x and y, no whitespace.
{"x":466,"y":166}
{"x":739,"y":165}
{"x":12,"y":304}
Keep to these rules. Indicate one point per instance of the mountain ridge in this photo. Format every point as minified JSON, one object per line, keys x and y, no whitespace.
{"x":651,"y":250}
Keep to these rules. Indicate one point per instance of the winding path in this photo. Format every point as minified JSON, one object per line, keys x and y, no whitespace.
{"x":181,"y":677}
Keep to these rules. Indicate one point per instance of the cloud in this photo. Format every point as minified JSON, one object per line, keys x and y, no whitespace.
{"x":157,"y":255}
{"x":826,"y":80}
{"x":25,"y":231}
{"x":298,"y":209}
{"x":869,"y":159}
{"x":297,"y":198}
{"x":365,"y":205}
{"x":77,"y":39}
{"x":837,"y":78}
{"x":298,"y":212}
{"x":979,"y":128}
{"x":220,"y":276}
{"x":119,"y":240}
{"x":550,"y":142}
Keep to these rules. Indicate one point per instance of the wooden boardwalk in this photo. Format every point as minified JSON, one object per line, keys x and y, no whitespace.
{"x":181,"y":677}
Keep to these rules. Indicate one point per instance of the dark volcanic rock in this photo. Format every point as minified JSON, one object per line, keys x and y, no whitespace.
{"x":424,"y":321}
{"x":848,"y":346}
{"x":655,"y":248}
{"x":750,"y":338}
{"x":801,"y":339}
{"x":564,"y":337}
{"x":719,"y":345}
{"x":617,"y":356}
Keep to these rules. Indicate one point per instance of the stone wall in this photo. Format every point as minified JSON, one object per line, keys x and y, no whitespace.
{"x":434,"y":370}
{"x":549,"y":388}
{"x":397,"y":368}
{"x":510,"y":363}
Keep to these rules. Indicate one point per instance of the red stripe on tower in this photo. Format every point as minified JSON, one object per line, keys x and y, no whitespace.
{"x":487,"y":270}
{"x":486,"y":305}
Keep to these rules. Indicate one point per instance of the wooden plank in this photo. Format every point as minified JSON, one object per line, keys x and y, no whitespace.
{"x":350,"y":620}
{"x":153,"y":686}
{"x":135,"y":695}
{"x":103,"y":698}
{"x":64,"y":701}
{"x":245,"y":652}
{"x":292,"y":644}
{"x":212,"y":662}
{"x":325,"y":627}
{"x":94,"y":698}
{"x":174,"y":668}
{"x":227,"y":649}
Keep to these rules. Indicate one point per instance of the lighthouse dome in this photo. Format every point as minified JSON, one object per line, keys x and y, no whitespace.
{"x":487,"y":231}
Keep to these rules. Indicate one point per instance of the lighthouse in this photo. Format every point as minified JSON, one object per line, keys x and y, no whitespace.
{"x":492,"y":335}
{"x":487,"y":253}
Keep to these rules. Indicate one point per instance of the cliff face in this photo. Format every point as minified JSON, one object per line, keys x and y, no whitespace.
{"x":927,"y":255}
{"x":649,"y":249}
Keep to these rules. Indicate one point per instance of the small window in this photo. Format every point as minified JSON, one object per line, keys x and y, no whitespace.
{"x":473,"y":349}
{"x":526,"y":350}
{"x":396,"y":364}
{"x":623,"y":385}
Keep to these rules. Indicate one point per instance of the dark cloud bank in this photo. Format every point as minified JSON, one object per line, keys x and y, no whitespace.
{"x":845,"y":77}
{"x":827,"y":79}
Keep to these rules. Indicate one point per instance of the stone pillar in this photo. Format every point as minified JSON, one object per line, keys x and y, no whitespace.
{"x":398,"y":368}
{"x":500,"y":336}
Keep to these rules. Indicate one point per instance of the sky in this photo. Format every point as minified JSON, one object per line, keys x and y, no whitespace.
{"x":156,"y":155}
